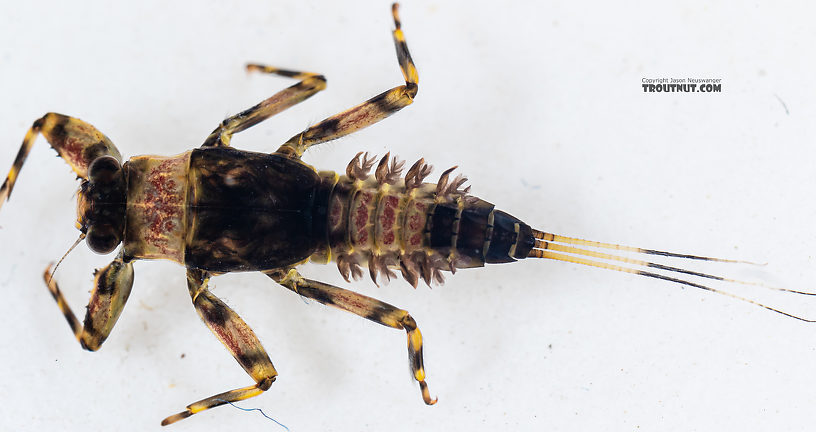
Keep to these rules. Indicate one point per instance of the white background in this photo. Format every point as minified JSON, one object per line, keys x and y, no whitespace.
{"x":541,"y":104}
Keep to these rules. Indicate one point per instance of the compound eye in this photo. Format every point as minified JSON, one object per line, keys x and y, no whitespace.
{"x":103,"y":169}
{"x":102,"y":239}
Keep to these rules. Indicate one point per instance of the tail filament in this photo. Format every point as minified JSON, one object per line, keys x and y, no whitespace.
{"x":555,"y":247}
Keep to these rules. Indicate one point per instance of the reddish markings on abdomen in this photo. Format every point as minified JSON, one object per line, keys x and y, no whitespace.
{"x":387,"y":219}
{"x":388,"y":214}
{"x":361,"y":217}
{"x":388,"y":238}
{"x":335,"y":213}
{"x":416,"y":221}
{"x":361,"y":214}
{"x":362,"y":237}
{"x":415,"y":224}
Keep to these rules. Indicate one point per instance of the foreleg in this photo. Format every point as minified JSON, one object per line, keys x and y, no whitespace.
{"x":111,"y":290}
{"x":77,"y":142}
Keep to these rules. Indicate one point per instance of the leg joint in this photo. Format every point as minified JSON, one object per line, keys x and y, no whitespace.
{"x":411,"y":89}
{"x":39,"y":122}
{"x":408,"y":322}
{"x":265,"y":383}
{"x":321,"y":78}
{"x":88,"y":346}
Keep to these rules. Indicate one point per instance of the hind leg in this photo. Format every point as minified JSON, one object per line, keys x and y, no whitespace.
{"x":367,"y":113}
{"x":366,"y":307}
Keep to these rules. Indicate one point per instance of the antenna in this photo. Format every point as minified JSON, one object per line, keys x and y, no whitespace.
{"x":81,"y":237}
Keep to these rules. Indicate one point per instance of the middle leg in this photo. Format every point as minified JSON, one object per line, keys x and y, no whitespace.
{"x":310,"y":83}
{"x":237,"y":337}
{"x":366,"y":307}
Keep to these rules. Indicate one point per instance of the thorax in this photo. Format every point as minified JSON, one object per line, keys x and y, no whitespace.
{"x":221,"y":209}
{"x":156,"y":216}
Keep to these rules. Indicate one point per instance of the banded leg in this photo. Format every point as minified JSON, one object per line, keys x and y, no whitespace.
{"x":366,"y":307}
{"x":310,"y":83}
{"x":111,"y":290}
{"x":77,"y":142}
{"x":367,"y":113}
{"x":239,"y":339}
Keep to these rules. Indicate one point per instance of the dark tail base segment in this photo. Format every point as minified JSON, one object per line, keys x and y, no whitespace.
{"x":479,"y":233}
{"x":511,"y":239}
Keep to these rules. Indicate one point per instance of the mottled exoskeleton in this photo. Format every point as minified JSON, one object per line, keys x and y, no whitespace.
{"x":217,"y":209}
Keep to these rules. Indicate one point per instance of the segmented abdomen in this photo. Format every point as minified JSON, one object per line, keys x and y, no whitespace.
{"x":388,"y":223}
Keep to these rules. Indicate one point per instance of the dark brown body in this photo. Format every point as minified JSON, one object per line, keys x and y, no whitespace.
{"x":251,"y":211}
{"x":221,"y":210}
{"x":224,"y":210}
{"x":216,"y":209}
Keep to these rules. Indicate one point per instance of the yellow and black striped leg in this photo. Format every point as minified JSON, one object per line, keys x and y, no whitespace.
{"x":366,"y":307}
{"x":111,"y":290}
{"x":239,"y":339}
{"x":77,"y":142}
{"x":367,"y":113}
{"x":310,"y":83}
